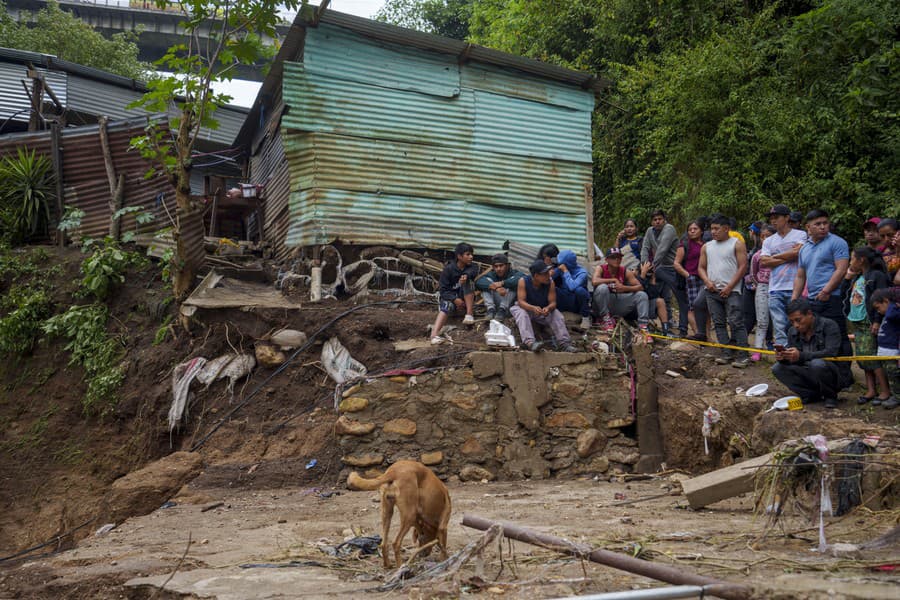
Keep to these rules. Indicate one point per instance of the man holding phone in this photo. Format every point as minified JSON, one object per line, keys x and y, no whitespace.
{"x":801,"y":365}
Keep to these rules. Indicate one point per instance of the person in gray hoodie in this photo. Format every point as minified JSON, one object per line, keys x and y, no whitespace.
{"x":660,"y":246}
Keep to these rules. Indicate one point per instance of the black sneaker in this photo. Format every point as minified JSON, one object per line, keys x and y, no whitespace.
{"x":697,"y":337}
{"x":890,"y":403}
{"x":501,"y":315}
{"x":831,"y":403}
{"x":490,"y":315}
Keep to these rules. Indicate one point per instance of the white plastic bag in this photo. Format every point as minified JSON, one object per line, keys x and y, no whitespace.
{"x":339,"y":364}
{"x":499,"y":334}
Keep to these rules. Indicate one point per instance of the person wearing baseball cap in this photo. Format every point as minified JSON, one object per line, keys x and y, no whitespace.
{"x":536,"y":303}
{"x":796,"y":219}
{"x":779,"y":253}
{"x":870,"y":233}
{"x":498,"y":287}
{"x":618,"y":293}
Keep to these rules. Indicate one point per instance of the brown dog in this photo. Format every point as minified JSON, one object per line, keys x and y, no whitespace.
{"x":421,"y":498}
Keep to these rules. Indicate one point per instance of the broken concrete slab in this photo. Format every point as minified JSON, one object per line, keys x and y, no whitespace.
{"x":723,"y":483}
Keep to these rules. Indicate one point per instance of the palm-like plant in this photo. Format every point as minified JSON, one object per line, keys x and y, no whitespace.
{"x":28,"y":187}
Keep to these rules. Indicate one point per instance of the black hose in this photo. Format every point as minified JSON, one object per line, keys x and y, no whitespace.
{"x":297,"y":352}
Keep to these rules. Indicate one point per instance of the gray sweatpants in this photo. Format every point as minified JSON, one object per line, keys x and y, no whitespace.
{"x":525,"y":322}
{"x":621,"y":305}
{"x":493,"y":301}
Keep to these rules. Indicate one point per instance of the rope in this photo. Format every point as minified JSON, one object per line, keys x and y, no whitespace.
{"x":763,"y":351}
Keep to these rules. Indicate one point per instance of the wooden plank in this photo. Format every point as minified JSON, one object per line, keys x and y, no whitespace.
{"x":589,"y":220}
{"x":723,"y":483}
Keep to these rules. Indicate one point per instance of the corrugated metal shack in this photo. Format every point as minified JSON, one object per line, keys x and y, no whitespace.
{"x":367,"y":133}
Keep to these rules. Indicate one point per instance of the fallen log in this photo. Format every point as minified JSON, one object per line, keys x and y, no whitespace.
{"x":723,"y":483}
{"x":712,"y":587}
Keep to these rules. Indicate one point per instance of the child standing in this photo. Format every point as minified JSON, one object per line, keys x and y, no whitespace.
{"x":760,"y":276}
{"x":887,"y":302}
{"x":457,"y":289}
{"x":865,"y":276}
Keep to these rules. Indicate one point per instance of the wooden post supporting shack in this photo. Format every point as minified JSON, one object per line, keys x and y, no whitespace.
{"x":723,"y":483}
{"x":589,"y":220}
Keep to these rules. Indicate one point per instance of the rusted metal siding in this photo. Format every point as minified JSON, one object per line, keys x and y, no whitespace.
{"x":340,"y":54}
{"x":397,"y":140}
{"x":85,"y":184}
{"x":324,"y":104}
{"x":405,"y":169}
{"x":319,"y":216}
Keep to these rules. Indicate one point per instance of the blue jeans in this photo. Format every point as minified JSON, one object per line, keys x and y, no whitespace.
{"x":778,"y":302}
{"x":578,"y":302}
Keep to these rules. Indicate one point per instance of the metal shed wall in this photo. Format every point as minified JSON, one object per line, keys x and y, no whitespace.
{"x":381,"y":149}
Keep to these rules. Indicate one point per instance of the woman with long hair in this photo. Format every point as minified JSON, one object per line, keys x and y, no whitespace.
{"x":864,"y":276}
{"x":687,"y":261}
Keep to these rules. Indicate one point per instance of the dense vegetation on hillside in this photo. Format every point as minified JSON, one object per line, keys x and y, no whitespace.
{"x":716,"y":105}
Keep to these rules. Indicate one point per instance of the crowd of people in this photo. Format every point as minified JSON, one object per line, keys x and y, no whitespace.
{"x":791,"y":281}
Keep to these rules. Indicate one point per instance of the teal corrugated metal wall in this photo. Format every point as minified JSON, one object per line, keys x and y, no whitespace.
{"x":388,"y":144}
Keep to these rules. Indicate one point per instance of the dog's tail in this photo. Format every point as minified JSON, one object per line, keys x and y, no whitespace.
{"x":355,"y":482}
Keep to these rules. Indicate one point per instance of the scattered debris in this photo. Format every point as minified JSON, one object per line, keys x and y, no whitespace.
{"x":288,"y":339}
{"x":182,"y":376}
{"x":357,"y":546}
{"x":499,"y":334}
{"x":311,"y":464}
{"x":105,"y":529}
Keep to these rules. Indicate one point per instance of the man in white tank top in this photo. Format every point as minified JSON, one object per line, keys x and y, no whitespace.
{"x":723,"y":264}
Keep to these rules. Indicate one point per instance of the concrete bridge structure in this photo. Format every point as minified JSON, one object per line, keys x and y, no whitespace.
{"x":157,"y":30}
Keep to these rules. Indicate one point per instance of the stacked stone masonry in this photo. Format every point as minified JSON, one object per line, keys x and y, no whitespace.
{"x":509,"y":415}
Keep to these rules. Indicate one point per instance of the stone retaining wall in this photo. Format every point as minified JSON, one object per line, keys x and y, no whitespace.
{"x":510,"y":415}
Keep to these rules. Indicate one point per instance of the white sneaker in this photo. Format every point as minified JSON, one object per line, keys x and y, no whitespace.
{"x":585,"y":323}
{"x":468,"y":320}
{"x":437,"y":340}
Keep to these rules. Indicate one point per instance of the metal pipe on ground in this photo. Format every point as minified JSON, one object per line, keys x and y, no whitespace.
{"x":665,"y":593}
{"x":713,"y":587}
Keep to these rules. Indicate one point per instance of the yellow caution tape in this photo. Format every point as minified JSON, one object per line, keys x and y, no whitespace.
{"x":763,"y":351}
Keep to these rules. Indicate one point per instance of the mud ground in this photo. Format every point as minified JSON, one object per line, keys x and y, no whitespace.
{"x":277,"y":526}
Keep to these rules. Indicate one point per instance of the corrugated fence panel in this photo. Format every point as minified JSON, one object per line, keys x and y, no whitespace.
{"x":321,"y":216}
{"x":329,"y":105}
{"x":516,"y":126}
{"x":341,"y":54}
{"x":416,"y":170}
{"x":491,"y":78}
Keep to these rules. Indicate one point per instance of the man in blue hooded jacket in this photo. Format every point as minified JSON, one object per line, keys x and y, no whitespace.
{"x":571,"y":287}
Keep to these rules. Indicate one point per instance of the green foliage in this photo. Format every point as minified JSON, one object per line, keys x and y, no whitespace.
{"x":449,"y":18}
{"x":65,"y":36}
{"x":71,"y":220}
{"x":726,"y":106}
{"x":26,"y":303}
{"x":105,"y":267}
{"x":28,"y":187}
{"x":25,"y":308}
{"x":92,"y":348}
{"x":141,"y":217}
{"x":236,"y":30}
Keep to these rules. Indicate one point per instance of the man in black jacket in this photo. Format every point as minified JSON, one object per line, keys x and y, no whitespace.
{"x":801,"y":367}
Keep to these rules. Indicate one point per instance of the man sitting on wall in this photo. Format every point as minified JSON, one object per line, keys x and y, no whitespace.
{"x":800,"y":366}
{"x":498,"y":287}
{"x":536,"y":304}
{"x":618,"y":293}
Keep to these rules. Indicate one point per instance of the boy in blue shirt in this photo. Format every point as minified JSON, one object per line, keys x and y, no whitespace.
{"x":457,"y":289}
